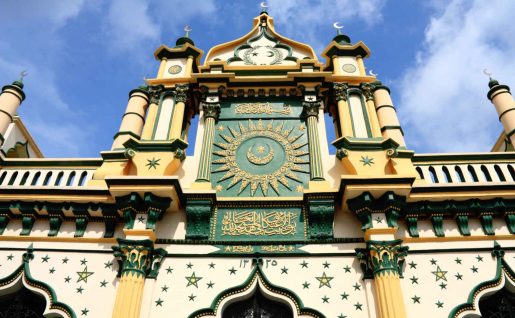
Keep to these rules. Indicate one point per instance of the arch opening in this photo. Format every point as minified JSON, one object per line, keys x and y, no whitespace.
{"x":257,"y":306}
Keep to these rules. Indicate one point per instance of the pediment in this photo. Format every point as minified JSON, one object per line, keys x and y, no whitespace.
{"x":262,"y":46}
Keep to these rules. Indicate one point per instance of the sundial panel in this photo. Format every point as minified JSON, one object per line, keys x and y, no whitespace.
{"x":260,"y":150}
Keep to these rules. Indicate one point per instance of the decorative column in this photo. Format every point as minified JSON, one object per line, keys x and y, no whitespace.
{"x":500,"y":96}
{"x":154,"y":93}
{"x":340,"y":95}
{"x":310,"y":112}
{"x":367,"y":90}
{"x":10,"y":99}
{"x":137,"y":260}
{"x":387,"y":115}
{"x":133,"y":119}
{"x":211,"y":109}
{"x":181,"y":96}
{"x":383,"y":261}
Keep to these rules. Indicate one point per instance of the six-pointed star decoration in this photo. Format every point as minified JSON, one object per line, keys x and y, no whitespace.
{"x":152,"y":163}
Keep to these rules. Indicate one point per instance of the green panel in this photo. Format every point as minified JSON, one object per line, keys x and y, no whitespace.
{"x":259,"y":224}
{"x":260,"y":150}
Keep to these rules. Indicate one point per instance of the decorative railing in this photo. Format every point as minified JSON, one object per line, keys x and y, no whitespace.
{"x":466,"y":168}
{"x":47,"y":172}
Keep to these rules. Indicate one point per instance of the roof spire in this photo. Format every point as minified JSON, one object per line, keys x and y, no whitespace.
{"x":187,"y":29}
{"x":340,"y":38}
{"x":19,"y":82}
{"x":186,"y":38}
{"x":338,"y":28}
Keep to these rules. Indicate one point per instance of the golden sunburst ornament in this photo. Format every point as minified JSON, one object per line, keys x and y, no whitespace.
{"x":261,"y":155}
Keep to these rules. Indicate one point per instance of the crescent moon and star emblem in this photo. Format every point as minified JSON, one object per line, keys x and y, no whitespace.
{"x":257,"y":160}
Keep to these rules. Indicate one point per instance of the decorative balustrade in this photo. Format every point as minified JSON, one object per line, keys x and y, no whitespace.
{"x":466,"y":168}
{"x":47,"y":172}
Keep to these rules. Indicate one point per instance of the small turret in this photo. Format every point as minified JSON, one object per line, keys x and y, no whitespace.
{"x":10,"y":99}
{"x":501,"y":98}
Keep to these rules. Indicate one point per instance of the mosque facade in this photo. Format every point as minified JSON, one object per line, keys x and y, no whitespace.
{"x":261,"y":221}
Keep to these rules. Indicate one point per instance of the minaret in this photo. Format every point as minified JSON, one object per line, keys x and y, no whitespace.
{"x":500,"y":96}
{"x":10,"y":99}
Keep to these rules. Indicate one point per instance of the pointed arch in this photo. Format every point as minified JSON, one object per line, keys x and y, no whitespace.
{"x":256,"y":280}
{"x":504,"y":276}
{"x":21,"y":278}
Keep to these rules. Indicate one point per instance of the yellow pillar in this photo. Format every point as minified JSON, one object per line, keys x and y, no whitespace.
{"x":340,"y":90}
{"x":381,"y":262}
{"x":150,"y":121}
{"x":501,"y":98}
{"x":189,"y":66}
{"x":387,"y":116}
{"x":137,"y":258}
{"x":336,"y":65}
{"x":10,"y":99}
{"x":361,"y":66}
{"x":178,"y":112}
{"x":162,"y":67}
{"x":133,"y":119}
{"x":371,"y":110}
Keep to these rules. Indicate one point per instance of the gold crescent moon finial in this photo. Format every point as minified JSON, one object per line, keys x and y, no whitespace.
{"x":487,"y":73}
{"x":187,"y":29}
{"x":338,"y":27}
{"x":372,"y":73}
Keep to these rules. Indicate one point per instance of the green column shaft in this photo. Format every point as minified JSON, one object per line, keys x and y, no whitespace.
{"x":204,"y":169}
{"x":314,"y":149}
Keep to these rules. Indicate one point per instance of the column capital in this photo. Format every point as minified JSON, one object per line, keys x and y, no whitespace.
{"x":138,"y":258}
{"x":154,"y":93}
{"x":181,"y":93}
{"x":368,"y":90}
{"x":382,"y":258}
{"x":211,"y":110}
{"x":310,"y":108}
{"x":340,"y":91}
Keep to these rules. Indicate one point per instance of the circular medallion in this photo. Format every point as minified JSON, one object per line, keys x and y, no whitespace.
{"x":261,"y":156}
{"x":175,"y":69}
{"x":349,"y":68}
{"x":262,"y":55}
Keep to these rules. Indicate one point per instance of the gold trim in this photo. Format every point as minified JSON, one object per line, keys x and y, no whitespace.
{"x":143,"y":232}
{"x":383,"y":231}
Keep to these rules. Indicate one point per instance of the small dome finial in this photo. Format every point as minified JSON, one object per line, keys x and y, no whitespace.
{"x":340,"y":38}
{"x":338,"y":28}
{"x":187,"y":29}
{"x":19,"y":82}
{"x":492,"y":81}
{"x":264,"y":7}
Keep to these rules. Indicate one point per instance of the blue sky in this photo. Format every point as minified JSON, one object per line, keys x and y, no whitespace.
{"x":83,"y":57}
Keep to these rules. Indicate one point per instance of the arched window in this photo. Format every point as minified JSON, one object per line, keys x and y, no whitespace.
{"x":47,"y":178}
{"x":35,"y":178}
{"x":499,"y":173}
{"x":23,"y":303}
{"x":459,"y":173}
{"x":472,"y":173}
{"x":498,"y":305}
{"x":82,"y":179}
{"x":257,"y":306}
{"x":71,"y":177}
{"x":486,"y":173}
{"x":433,"y":175}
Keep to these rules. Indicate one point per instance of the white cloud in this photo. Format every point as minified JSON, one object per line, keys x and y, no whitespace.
{"x":443,"y":104}
{"x":302,"y":19}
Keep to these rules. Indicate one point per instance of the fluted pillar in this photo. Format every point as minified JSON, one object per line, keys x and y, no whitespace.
{"x":133,"y":119}
{"x":211,"y":111}
{"x":387,"y":116}
{"x":154,"y":93}
{"x":181,"y":96}
{"x":138,"y":260}
{"x":371,"y":110}
{"x":10,"y":99}
{"x":310,"y":112}
{"x":500,"y":96}
{"x":382,"y":261}
{"x":340,"y":95}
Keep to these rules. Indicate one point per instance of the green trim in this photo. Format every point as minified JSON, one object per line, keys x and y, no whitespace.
{"x":159,"y":107}
{"x":365,"y":205}
{"x":156,"y":146}
{"x":497,"y":88}
{"x":24,"y":271}
{"x":502,"y":269}
{"x":504,"y":112}
{"x":7,"y":114}
{"x":508,"y":135}
{"x":462,"y":221}
{"x":130,"y":133}
{"x":16,"y":88}
{"x":378,"y":85}
{"x":134,"y":113}
{"x":388,"y":106}
{"x":392,"y":127}
{"x":437,"y":222}
{"x":257,"y":273}
{"x":365,"y":144}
